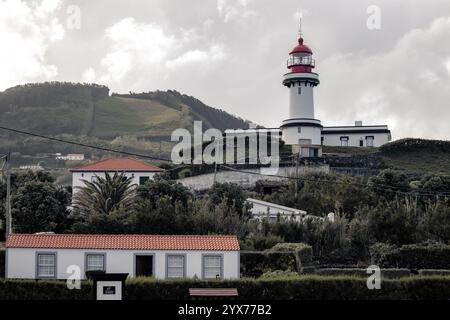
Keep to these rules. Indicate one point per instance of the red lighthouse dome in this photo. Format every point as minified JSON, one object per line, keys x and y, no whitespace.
{"x":300,"y":58}
{"x":301,"y":48}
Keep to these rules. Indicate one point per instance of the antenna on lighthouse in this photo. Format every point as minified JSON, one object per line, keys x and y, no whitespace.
{"x":300,"y":30}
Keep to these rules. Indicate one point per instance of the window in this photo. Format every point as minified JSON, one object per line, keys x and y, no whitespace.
{"x":143,"y":180}
{"x":300,"y":89}
{"x":212,"y":267}
{"x":175,"y":266}
{"x":46,"y":265}
{"x":344,"y":141}
{"x":95,"y":262}
{"x":369,"y":141}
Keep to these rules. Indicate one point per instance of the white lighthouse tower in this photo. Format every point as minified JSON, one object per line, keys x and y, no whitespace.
{"x":302,"y":131}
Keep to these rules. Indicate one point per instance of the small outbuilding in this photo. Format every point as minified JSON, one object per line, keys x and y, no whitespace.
{"x":52,"y":256}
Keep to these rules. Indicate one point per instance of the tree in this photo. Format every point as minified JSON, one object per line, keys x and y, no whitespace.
{"x":233,"y":194}
{"x":39,"y":207}
{"x":158,"y":188}
{"x":105,"y":195}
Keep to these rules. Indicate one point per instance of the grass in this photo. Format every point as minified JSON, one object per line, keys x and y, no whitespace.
{"x":420,"y":162}
{"x":125,"y":116}
{"x":354,"y":151}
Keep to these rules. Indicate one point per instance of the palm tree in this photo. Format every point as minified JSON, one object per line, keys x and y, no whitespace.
{"x":105,"y":195}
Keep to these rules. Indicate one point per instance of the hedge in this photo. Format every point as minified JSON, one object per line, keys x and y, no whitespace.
{"x":433,"y":272}
{"x":415,"y":145}
{"x":290,"y":257}
{"x":385,"y":273}
{"x":303,"y":252}
{"x":254,"y":264}
{"x":413,"y":256}
{"x":300,"y":288}
{"x":2,"y":263}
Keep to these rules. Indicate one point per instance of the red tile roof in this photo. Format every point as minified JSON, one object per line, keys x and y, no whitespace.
{"x":117,"y":164}
{"x":123,"y":242}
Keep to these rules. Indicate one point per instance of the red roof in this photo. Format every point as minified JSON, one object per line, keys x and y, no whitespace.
{"x":123,"y":242}
{"x":117,"y":164}
{"x":301,"y":48}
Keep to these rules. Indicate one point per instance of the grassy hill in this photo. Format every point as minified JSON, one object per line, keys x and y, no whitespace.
{"x":87,"y":113}
{"x":412,"y":155}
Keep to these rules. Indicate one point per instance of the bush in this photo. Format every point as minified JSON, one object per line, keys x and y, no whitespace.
{"x":254,"y":264}
{"x":2,"y":263}
{"x":279,"y":274}
{"x":42,"y":290}
{"x":293,"y":288}
{"x":385,"y":273}
{"x":302,"y":251}
{"x":434,"y":272}
{"x":413,"y":256}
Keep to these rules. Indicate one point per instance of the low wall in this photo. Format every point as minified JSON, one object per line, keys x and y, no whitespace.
{"x":248,"y":178}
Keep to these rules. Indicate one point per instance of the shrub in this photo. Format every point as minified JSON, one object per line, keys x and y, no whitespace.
{"x":254,"y":264}
{"x":279,"y":274}
{"x":434,"y":272}
{"x":385,"y":273}
{"x":426,"y":255}
{"x":302,"y":251}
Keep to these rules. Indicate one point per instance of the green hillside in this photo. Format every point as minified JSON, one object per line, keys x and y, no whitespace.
{"x":411,"y":155}
{"x":88,"y":114}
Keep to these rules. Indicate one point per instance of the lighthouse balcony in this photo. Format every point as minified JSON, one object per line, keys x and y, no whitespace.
{"x":301,"y":61}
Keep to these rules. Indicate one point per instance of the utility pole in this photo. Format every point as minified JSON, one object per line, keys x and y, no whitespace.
{"x":8,"y":196}
{"x":5,"y":170}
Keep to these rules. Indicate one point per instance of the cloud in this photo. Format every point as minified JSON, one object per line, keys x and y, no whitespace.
{"x":406,"y":85}
{"x":143,"y":54}
{"x":215,"y":53}
{"x":27,"y":31}
{"x":230,"y":10}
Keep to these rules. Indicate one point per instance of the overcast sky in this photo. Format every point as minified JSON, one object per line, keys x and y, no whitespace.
{"x":231,"y":54}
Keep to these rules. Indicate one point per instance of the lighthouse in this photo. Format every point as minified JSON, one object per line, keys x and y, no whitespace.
{"x":302,"y":130}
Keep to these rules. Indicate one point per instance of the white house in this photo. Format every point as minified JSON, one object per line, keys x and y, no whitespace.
{"x":356,"y":136}
{"x":140,"y":171}
{"x":51,"y":256}
{"x":266,"y":210}
{"x":70,"y":157}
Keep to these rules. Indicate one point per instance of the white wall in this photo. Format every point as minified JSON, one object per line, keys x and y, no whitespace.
{"x":78,"y":176}
{"x":292,"y":136}
{"x":354,"y":139}
{"x":261,"y":211}
{"x":301,"y":105}
{"x":21,"y":263}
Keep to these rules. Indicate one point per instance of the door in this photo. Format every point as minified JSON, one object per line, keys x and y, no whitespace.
{"x":144,"y":266}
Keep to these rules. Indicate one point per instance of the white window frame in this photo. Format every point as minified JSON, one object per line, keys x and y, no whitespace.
{"x":204,"y":266}
{"x":95,"y":254}
{"x":47,"y":265}
{"x":169,"y":267}
{"x":344,"y":141}
{"x":372,"y":141}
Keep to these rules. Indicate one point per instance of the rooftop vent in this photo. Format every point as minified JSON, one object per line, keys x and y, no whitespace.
{"x":358,"y":123}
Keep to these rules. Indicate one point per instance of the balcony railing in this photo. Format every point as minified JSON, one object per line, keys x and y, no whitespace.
{"x":301,"y":61}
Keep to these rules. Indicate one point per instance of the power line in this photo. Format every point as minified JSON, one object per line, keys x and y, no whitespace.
{"x":85,"y":145}
{"x":392,"y":188}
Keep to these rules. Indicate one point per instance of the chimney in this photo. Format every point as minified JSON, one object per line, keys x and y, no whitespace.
{"x":358,"y":123}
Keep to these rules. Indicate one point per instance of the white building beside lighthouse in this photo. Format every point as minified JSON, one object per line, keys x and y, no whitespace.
{"x":302,"y":130}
